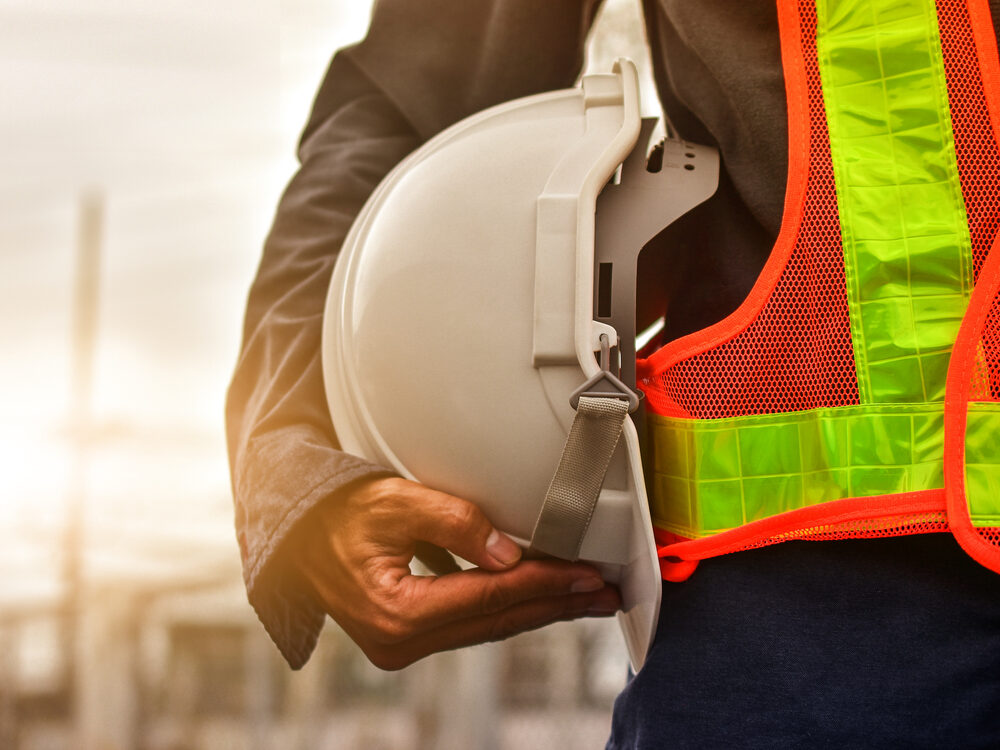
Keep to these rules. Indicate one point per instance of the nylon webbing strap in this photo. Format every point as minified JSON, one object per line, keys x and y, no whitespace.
{"x":572,"y":494}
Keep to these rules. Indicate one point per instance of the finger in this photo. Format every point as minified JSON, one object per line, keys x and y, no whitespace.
{"x":459,"y":526}
{"x":519,"y":618}
{"x":425,"y":602}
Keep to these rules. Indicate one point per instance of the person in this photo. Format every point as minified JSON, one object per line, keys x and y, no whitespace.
{"x":887,"y":642}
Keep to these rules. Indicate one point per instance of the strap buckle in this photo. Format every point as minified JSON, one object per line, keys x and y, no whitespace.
{"x":605,"y":384}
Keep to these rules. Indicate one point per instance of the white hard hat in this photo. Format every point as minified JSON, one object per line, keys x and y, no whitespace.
{"x":463,"y":316}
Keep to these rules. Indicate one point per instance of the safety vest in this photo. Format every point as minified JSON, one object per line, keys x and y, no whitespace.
{"x":856,"y":391}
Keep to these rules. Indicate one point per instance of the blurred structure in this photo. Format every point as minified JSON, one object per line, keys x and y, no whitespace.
{"x":164,"y":668}
{"x":123,"y":620}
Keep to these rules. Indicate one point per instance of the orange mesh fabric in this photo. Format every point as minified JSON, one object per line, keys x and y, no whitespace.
{"x":792,"y":351}
{"x":797,"y":353}
{"x":985,"y":385}
{"x":979,"y":166}
{"x":990,"y":535}
{"x":869,"y":528}
{"x":918,"y":512}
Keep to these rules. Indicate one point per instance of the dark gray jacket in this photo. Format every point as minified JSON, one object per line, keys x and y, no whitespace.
{"x":423,"y":66}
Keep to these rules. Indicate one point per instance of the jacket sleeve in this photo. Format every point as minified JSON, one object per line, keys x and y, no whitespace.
{"x":422,"y":66}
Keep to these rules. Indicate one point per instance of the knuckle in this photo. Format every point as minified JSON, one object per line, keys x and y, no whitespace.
{"x":493,"y":597}
{"x":389,"y":629}
{"x":394,"y":487}
{"x":385,"y":623}
{"x":391,"y":614}
{"x":497,"y":630}
{"x":461,"y":517}
{"x":500,"y":628}
{"x":386,"y":493}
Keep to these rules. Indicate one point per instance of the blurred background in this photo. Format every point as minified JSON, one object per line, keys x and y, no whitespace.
{"x":143,"y":147}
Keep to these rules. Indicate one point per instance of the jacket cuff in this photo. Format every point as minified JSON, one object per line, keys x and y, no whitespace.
{"x":290,"y":613}
{"x":291,"y":616}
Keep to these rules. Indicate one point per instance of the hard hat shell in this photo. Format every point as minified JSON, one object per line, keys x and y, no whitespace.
{"x":460,"y":320}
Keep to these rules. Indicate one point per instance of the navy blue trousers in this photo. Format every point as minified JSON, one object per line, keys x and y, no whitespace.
{"x":888,"y":643}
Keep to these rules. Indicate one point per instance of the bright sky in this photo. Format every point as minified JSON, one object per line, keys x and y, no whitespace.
{"x":184,"y":114}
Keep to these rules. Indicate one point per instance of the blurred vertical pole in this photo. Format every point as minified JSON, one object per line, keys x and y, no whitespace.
{"x":85,"y":303}
{"x":259,"y":686}
{"x":464,"y":701}
{"x":8,"y":687}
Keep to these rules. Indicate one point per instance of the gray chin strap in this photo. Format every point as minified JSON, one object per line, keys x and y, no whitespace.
{"x":630,"y":212}
{"x":576,"y":485}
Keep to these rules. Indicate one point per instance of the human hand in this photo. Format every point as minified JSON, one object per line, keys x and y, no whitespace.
{"x":356,"y":553}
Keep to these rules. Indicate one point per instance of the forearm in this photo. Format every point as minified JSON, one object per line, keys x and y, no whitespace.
{"x":422,"y":67}
{"x":284,"y":454}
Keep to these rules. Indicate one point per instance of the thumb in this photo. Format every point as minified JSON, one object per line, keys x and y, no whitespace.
{"x":460,"y":527}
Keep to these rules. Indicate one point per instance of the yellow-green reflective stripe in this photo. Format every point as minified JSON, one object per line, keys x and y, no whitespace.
{"x":905,"y":233}
{"x":982,"y":464}
{"x":712,"y":475}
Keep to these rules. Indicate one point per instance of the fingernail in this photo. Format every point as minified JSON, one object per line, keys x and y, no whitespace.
{"x":588,"y":583}
{"x":502,"y":548}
